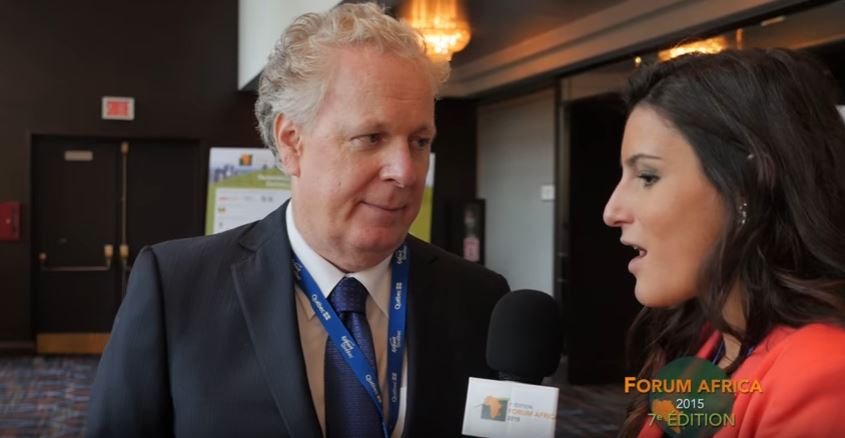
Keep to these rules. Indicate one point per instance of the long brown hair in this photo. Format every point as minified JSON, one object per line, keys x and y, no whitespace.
{"x":764,"y":126}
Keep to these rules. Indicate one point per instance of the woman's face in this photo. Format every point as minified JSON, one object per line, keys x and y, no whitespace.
{"x":666,"y":207}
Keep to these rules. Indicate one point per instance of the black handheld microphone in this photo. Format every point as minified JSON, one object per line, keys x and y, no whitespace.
{"x":524,"y":338}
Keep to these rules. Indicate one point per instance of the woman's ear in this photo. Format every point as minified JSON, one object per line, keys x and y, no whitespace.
{"x":288,"y":143}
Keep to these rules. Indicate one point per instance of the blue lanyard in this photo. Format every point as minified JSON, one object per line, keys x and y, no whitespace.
{"x":343,"y":340}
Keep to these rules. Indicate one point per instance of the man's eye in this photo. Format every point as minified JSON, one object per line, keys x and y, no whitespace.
{"x":648,"y":178}
{"x":368,"y":139}
{"x":421,"y":143}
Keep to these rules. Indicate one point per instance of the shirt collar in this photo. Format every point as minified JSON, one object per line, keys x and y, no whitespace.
{"x":327,"y":275}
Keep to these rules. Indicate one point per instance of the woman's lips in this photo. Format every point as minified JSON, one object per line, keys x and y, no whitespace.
{"x":641,"y":253}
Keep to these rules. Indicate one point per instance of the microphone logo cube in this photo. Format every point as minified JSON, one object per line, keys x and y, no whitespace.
{"x":494,"y":408}
{"x":505,"y":409}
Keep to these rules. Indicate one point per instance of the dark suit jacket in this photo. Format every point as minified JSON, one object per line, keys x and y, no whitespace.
{"x":206,"y":342}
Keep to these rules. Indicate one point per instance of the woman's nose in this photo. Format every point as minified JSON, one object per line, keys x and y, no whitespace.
{"x":615,"y":213}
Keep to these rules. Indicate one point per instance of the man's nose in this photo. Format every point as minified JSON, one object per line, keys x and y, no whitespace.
{"x":400,"y":165}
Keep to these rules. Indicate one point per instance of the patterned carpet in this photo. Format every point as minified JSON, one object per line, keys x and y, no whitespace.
{"x":44,"y":396}
{"x":590,"y":411}
{"x":587,"y":410}
{"x":48,"y":396}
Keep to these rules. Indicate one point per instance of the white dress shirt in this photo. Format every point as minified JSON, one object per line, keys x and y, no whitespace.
{"x":313,"y":335}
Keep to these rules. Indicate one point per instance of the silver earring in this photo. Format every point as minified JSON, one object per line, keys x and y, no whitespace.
{"x":743,"y":213}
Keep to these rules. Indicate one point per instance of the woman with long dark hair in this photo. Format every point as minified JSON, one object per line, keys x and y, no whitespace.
{"x":733,"y":196}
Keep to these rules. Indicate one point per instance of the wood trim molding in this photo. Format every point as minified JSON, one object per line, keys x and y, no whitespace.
{"x":17,"y":347}
{"x":612,"y":30}
{"x":71,"y":343}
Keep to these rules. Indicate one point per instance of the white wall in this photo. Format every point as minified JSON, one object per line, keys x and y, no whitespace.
{"x":516,"y":158}
{"x":260,"y":23}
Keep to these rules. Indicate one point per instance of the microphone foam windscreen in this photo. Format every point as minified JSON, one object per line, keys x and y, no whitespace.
{"x":525,"y":335}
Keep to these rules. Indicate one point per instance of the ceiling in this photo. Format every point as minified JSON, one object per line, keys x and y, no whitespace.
{"x":515,"y":41}
{"x":497,"y":24}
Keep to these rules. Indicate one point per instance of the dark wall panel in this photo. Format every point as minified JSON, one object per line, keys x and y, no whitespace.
{"x":57,"y":59}
{"x":599,"y":300}
{"x":455,"y":169}
{"x":832,"y":56}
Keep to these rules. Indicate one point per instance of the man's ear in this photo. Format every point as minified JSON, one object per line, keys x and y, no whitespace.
{"x":288,"y":143}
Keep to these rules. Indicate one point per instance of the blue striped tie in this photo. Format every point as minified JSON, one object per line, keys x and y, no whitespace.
{"x":350,"y":412}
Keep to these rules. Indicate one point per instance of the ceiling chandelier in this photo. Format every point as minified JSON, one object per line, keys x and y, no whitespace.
{"x":442,"y":24}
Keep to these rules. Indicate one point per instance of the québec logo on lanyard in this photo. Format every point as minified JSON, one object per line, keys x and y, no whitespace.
{"x":343,"y":340}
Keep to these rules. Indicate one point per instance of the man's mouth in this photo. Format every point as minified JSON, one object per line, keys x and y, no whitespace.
{"x":385,"y":207}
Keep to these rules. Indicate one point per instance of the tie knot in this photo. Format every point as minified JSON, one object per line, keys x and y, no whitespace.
{"x":349,"y":296}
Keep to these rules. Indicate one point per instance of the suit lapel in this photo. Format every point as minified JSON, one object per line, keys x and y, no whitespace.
{"x":418,"y":312}
{"x":264,"y":284}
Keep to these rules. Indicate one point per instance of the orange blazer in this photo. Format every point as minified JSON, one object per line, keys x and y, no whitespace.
{"x":802,"y":374}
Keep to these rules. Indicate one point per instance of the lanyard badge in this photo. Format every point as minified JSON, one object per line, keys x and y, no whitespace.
{"x":364,"y":372}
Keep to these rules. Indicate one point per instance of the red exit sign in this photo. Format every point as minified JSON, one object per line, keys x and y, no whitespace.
{"x":118,"y":108}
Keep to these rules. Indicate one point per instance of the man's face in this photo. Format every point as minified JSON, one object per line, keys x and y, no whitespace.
{"x":359,"y":168}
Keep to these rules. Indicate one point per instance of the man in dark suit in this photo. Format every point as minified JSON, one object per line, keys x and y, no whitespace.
{"x":233,"y":335}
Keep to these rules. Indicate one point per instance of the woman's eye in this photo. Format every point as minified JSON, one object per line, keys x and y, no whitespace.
{"x":648,"y":178}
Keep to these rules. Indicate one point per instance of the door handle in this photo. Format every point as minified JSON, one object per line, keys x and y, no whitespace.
{"x":124,"y":257}
{"x":108,"y":253}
